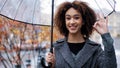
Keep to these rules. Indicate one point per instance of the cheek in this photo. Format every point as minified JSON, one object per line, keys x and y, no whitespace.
{"x":66,"y":23}
{"x":80,"y":22}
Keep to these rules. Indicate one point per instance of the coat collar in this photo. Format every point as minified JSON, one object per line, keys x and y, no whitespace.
{"x":67,"y":55}
{"x":82,"y":57}
{"x":87,"y":51}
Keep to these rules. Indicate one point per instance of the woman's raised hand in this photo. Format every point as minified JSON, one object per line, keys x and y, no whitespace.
{"x":101,"y":25}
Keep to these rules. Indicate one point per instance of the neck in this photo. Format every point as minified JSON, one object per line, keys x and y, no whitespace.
{"x":75,"y":38}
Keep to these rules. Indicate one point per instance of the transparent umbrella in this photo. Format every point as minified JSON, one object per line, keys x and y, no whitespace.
{"x":26,"y":11}
{"x":106,"y":7}
{"x":40,"y":12}
{"x":29,"y":11}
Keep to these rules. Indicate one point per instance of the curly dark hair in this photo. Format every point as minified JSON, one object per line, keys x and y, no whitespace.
{"x":87,"y":13}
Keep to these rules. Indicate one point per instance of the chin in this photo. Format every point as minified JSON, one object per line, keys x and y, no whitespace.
{"x":73,"y":32}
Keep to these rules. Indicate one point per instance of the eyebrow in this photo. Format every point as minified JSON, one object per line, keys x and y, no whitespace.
{"x":74,"y":15}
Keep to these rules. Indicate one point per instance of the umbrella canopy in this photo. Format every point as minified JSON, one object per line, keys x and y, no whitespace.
{"x":29,"y":11}
{"x":39,"y":11}
{"x":106,"y":7}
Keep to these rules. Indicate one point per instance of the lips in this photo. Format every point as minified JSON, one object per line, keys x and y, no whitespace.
{"x":72,"y":27}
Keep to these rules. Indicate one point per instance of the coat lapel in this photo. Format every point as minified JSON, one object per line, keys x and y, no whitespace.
{"x":82,"y":57}
{"x":67,"y":55}
{"x":85,"y":53}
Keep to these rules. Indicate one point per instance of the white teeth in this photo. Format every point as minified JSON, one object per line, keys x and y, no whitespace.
{"x":72,"y":27}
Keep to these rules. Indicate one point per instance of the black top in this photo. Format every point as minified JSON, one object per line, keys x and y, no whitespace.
{"x":75,"y":47}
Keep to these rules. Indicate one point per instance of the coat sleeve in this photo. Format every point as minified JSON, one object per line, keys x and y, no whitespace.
{"x":107,"y":58}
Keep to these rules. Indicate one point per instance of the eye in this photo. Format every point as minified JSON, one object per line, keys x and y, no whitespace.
{"x":77,"y":17}
{"x":67,"y":18}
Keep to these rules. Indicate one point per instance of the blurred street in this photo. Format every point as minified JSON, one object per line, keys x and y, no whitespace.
{"x":117,"y":50}
{"x":33,"y":58}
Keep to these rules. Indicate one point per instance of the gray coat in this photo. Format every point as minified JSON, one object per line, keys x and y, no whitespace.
{"x":91,"y":55}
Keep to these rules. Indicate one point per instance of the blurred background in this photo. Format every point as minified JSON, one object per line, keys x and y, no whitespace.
{"x":25,"y":34}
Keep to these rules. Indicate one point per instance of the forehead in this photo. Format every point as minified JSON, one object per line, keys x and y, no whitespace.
{"x":72,"y":12}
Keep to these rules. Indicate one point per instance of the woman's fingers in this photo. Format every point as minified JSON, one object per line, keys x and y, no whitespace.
{"x":100,"y":16}
{"x":50,"y":57}
{"x":101,"y":25}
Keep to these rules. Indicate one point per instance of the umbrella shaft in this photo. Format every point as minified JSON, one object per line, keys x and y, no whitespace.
{"x":51,"y":49}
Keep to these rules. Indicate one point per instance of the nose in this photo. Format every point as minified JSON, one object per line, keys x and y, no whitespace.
{"x":72,"y":20}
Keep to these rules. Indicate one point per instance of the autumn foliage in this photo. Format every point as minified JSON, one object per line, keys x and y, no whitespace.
{"x":24,"y":33}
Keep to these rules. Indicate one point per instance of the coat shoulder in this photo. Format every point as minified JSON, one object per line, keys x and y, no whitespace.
{"x":59,"y":42}
{"x":93,"y":43}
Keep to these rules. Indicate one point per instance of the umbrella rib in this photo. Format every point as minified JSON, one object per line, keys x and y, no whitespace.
{"x":114,"y":4}
{"x":19,"y":52}
{"x":22,"y":21}
{"x":33,"y":26}
{"x":17,"y":9}
{"x":111,"y":5}
{"x":34,"y":11}
{"x":3,"y":6}
{"x":99,"y":6}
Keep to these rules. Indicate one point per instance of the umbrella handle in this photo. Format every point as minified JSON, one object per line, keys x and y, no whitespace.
{"x":44,"y":65}
{"x":43,"y":61}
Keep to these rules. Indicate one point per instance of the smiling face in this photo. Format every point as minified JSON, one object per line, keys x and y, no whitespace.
{"x":73,"y":21}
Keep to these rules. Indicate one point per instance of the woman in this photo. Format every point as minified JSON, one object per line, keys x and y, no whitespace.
{"x":77,"y":21}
